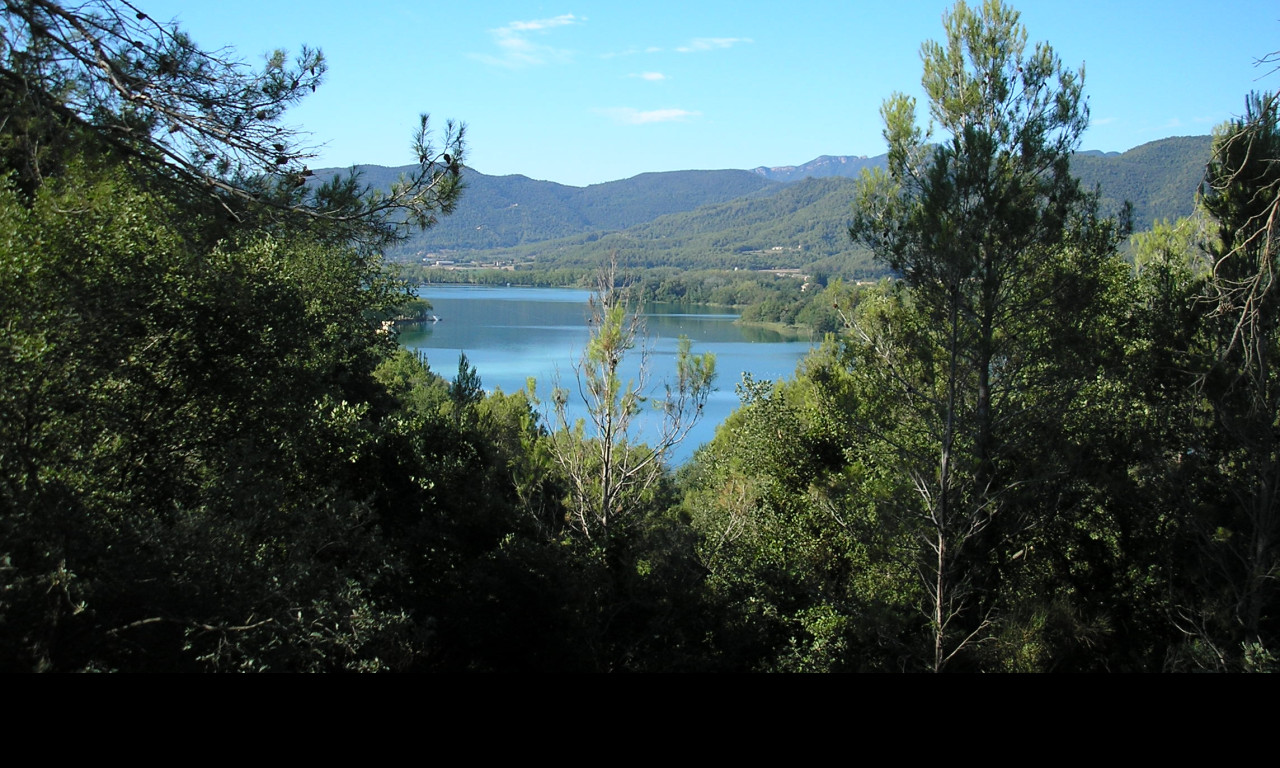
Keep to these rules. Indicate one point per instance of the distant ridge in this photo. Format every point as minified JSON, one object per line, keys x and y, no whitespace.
{"x":507,"y":211}
{"x":1160,"y":177}
{"x":848,"y":166}
{"x":706,"y":216}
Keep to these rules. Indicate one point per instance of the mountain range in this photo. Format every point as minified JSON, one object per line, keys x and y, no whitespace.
{"x":763,"y":217}
{"x":823,"y":167}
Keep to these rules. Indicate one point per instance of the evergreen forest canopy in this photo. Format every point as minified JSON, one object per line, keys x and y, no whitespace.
{"x":1024,"y":453}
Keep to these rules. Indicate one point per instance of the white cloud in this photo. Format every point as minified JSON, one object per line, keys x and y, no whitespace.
{"x":528,"y":26}
{"x":712,"y":43}
{"x":632,"y":116}
{"x":516,"y":49}
{"x":651,"y":76}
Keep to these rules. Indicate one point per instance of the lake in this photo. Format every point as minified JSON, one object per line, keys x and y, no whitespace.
{"x":512,"y":334}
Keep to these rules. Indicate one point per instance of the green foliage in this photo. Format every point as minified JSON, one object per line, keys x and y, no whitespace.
{"x":410,"y":380}
{"x":1159,"y":178}
{"x":193,"y":439}
{"x":465,"y":389}
{"x":610,"y":476}
{"x":1002,"y":257}
{"x":184,"y":432}
{"x":801,"y":565}
{"x":1232,"y":612}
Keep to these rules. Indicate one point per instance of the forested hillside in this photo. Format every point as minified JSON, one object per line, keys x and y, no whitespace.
{"x":797,"y":225}
{"x":728,"y":219}
{"x":1160,"y":179}
{"x":507,"y":211}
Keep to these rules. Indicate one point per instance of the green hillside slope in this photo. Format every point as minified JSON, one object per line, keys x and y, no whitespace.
{"x":728,"y":219}
{"x":507,"y":211}
{"x":798,"y":225}
{"x":1159,"y":178}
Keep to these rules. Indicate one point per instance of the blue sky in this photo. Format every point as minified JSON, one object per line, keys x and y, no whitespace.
{"x":582,"y":92}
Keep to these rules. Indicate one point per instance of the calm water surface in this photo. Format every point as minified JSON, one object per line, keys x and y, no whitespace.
{"x":512,"y":334}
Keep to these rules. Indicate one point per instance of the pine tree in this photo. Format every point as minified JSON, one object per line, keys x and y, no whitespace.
{"x":1000,"y":253}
